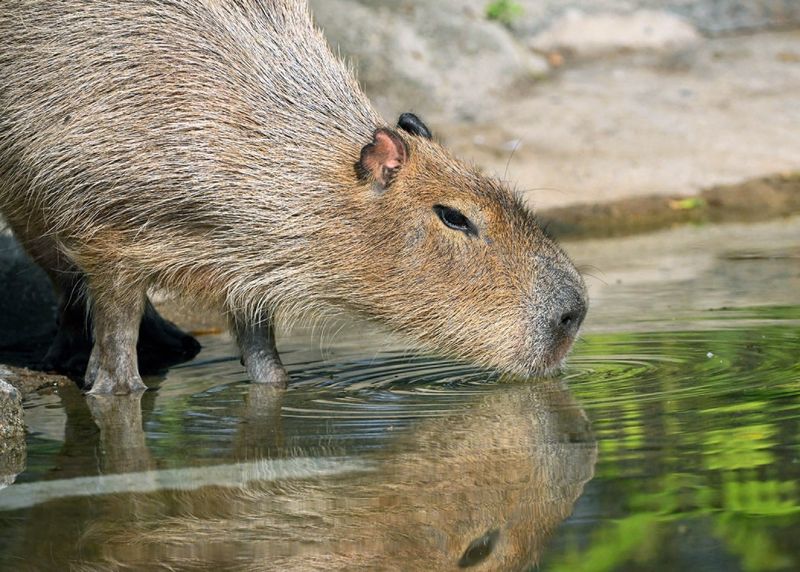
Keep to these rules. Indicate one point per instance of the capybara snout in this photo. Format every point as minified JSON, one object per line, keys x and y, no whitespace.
{"x":557,"y":308}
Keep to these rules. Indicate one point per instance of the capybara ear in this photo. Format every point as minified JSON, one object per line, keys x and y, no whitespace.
{"x":412,"y":124}
{"x":381,"y":160}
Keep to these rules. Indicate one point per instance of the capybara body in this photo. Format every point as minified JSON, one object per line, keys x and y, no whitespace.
{"x":217,"y":148}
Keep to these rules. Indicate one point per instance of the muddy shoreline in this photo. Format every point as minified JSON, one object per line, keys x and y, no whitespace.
{"x":756,"y":200}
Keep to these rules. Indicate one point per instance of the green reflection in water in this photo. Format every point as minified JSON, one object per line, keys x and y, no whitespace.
{"x":699,"y":448}
{"x":698,"y":465}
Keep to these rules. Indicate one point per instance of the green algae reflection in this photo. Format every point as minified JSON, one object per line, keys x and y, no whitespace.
{"x":699,"y":444}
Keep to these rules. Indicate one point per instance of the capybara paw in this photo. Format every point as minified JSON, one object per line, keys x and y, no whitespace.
{"x":101,"y":382}
{"x":268,"y":373}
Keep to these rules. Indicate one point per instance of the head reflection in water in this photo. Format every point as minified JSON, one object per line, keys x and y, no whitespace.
{"x":481,"y":489}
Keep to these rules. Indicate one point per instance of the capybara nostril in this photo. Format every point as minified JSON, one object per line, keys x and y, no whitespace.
{"x":569,"y":318}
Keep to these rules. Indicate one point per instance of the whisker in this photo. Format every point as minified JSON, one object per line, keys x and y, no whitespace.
{"x":517,"y":145}
{"x":587,"y":274}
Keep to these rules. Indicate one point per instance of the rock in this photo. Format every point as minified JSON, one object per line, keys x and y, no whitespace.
{"x":710,"y":17}
{"x":716,"y":17}
{"x":12,"y":432}
{"x":434,"y":58}
{"x":586,"y":35}
{"x":448,"y":62}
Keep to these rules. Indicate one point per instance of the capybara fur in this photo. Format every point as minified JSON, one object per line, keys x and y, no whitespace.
{"x":219,"y":150}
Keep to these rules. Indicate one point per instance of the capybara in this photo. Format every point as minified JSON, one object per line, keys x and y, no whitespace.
{"x":217,"y":149}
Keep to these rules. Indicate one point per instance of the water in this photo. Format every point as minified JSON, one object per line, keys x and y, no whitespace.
{"x":671,"y":442}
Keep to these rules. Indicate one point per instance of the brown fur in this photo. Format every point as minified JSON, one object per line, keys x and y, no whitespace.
{"x":208,"y":147}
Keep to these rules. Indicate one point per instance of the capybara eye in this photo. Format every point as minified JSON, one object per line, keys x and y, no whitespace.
{"x":455,"y":219}
{"x":479,"y":549}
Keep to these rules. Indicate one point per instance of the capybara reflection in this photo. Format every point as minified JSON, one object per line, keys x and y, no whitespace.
{"x":482,"y":489}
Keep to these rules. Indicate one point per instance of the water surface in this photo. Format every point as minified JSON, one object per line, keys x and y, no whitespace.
{"x":671,"y":441}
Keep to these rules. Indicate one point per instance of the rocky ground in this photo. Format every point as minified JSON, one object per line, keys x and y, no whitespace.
{"x":579,"y":102}
{"x":12,"y":432}
{"x":669,"y":123}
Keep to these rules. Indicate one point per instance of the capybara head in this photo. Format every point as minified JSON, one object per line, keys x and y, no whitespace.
{"x":455,"y":259}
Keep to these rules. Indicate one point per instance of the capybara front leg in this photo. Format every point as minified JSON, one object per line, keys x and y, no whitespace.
{"x":259,"y":354}
{"x":113,"y":367}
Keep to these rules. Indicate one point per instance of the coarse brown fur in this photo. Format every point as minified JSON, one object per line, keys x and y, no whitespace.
{"x":208,"y":147}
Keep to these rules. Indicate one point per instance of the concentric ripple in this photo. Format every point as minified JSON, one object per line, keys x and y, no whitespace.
{"x":680,"y":365}
{"x":357,"y":396}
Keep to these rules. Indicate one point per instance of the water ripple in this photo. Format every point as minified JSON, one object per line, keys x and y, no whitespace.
{"x":604,"y":369}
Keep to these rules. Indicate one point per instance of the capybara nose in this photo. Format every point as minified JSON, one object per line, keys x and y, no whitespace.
{"x":569,"y":318}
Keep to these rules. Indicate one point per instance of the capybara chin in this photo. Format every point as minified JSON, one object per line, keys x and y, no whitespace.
{"x":218,"y":149}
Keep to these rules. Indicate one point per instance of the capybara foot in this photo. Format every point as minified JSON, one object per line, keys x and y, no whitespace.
{"x":267,"y":371}
{"x":102,"y":382}
{"x":259,"y":353}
